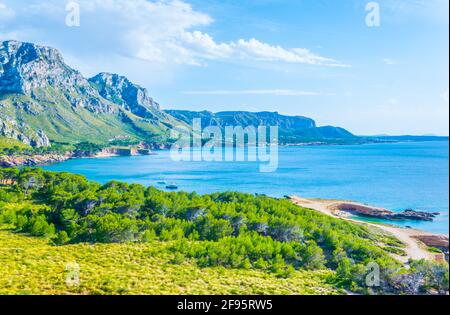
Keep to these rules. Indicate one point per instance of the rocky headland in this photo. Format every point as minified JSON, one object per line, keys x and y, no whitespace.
{"x":417,"y":242}
{"x":380,"y":213}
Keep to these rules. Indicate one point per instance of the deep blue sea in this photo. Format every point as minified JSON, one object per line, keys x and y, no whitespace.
{"x":396,"y":176}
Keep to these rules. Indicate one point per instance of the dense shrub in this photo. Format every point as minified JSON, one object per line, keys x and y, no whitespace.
{"x":228,"y":229}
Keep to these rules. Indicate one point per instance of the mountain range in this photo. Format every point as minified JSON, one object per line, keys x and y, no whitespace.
{"x":43,"y":100}
{"x":291,"y":129}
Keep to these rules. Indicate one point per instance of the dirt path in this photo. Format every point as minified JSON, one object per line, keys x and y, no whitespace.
{"x":414,"y":248}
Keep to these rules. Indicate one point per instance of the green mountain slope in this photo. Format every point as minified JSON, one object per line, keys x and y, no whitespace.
{"x":292,"y":129}
{"x":43,"y":99}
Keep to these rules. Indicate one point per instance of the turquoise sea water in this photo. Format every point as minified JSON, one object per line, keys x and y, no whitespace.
{"x":395,"y":176}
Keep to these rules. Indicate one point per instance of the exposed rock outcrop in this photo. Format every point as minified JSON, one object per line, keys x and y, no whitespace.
{"x":120,"y":90}
{"x":35,"y":71}
{"x":123,"y":152}
{"x":11,"y":161}
{"x":381,"y":213}
{"x":434,"y":240}
{"x":438,"y":241}
{"x":10,"y":128}
{"x":414,"y":215}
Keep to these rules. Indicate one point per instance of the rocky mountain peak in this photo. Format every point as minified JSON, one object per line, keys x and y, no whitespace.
{"x":26,"y":66}
{"x":119,"y":90}
{"x":38,"y":71}
{"x":20,"y":52}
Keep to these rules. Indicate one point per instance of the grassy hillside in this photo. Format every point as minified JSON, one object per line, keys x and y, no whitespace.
{"x":8,"y":146}
{"x":64,"y":124}
{"x":29,"y":265}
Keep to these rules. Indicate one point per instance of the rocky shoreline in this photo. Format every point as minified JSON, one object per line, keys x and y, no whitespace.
{"x":417,"y":242}
{"x":12,"y":161}
{"x":380,"y":213}
{"x":123,"y":152}
{"x":42,"y":159}
{"x":440,"y":242}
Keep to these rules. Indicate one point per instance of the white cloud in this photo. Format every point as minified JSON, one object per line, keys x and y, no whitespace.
{"x":279,"y":92}
{"x":254,"y":49}
{"x":164,"y":31}
{"x":204,"y":45}
{"x":389,"y":62}
{"x":197,"y":45}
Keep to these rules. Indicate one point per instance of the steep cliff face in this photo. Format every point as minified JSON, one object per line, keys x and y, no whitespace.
{"x":18,"y":130}
{"x":32,"y":70}
{"x":12,"y":161}
{"x":120,"y":90}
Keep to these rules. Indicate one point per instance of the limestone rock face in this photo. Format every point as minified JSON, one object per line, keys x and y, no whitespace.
{"x":42,"y":99}
{"x":42,"y":140}
{"x":10,"y":128}
{"x":11,"y":161}
{"x":37,"y":71}
{"x":119,"y":90}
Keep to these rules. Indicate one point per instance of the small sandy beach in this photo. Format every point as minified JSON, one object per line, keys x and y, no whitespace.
{"x":414,"y":248}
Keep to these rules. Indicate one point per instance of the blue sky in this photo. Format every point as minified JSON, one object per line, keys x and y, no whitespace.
{"x":316,"y":58}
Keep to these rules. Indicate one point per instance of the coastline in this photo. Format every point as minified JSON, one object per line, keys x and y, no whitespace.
{"x":33,"y":160}
{"x":45,"y":159}
{"x":112,"y":152}
{"x":416,"y":241}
